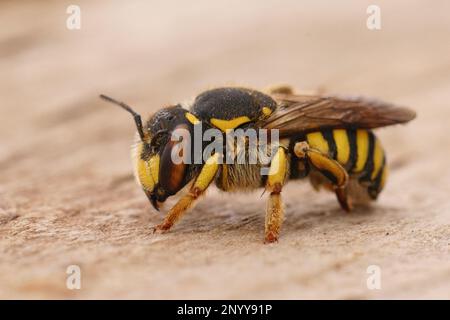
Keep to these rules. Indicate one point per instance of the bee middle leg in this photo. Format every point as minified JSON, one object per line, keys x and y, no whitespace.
{"x":275,"y":212}
{"x":201,"y":183}
{"x":329,"y":168}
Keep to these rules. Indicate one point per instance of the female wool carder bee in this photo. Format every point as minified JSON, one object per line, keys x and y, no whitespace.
{"x":325,"y":138}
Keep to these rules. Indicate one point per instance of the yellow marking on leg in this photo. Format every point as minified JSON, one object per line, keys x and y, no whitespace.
{"x":342,"y":145}
{"x":202,"y":182}
{"x":225,"y":125}
{"x":378,"y":156}
{"x":275,"y":212}
{"x":208,"y":172}
{"x":324,"y":163}
{"x":362,"y":143}
{"x":317,"y":141}
{"x":278,"y":168}
{"x":191,"y":118}
{"x":328,"y":168}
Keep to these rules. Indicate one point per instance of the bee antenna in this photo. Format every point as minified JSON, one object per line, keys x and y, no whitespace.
{"x":136,"y":116}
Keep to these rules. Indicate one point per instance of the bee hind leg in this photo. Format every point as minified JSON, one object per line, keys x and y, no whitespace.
{"x":343,"y":199}
{"x":329,"y":168}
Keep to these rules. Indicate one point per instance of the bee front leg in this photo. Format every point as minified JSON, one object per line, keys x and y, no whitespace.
{"x":177,"y":211}
{"x":201,"y":183}
{"x":278,"y":173}
{"x":329,"y":168}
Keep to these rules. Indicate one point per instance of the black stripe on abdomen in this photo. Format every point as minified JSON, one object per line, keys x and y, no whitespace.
{"x":353,"y":150}
{"x":375,"y":188}
{"x":328,"y":136}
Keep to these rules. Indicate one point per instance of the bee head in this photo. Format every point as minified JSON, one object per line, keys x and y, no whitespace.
{"x":158,"y":141}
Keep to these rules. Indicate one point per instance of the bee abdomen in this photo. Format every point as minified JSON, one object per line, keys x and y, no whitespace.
{"x":359,"y":151}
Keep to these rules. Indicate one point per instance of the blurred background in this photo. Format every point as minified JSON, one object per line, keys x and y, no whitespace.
{"x":67,"y":196}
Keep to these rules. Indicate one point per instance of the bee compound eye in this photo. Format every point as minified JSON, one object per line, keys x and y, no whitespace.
{"x":172,"y":168}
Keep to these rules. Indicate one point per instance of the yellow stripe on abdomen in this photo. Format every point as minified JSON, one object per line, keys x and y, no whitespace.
{"x":362,"y":144}
{"x":378,"y":156}
{"x":317,"y":141}
{"x":342,"y":145}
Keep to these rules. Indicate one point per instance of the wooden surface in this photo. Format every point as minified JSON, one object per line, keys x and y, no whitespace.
{"x":66,"y":191}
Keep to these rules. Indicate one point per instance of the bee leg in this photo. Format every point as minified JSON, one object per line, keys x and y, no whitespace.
{"x":329,"y":168}
{"x":175,"y":213}
{"x":343,"y":199}
{"x":278,"y":172}
{"x":201,"y":183}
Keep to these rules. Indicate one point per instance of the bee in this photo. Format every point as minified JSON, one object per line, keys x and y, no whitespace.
{"x":325,"y":138}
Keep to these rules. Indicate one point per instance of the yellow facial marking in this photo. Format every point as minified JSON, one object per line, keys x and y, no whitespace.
{"x":362,"y":142}
{"x":317,"y":141}
{"x":144,"y":176}
{"x":266,"y":111}
{"x":147,"y":171}
{"x":278,"y":168}
{"x":378,"y":155}
{"x":191,"y":118}
{"x":153,"y":164}
{"x":225,"y":125}
{"x":342,"y":145}
{"x":208,"y":172}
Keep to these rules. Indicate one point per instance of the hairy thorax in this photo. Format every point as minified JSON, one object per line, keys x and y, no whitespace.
{"x":237,"y":177}
{"x":247,"y":171}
